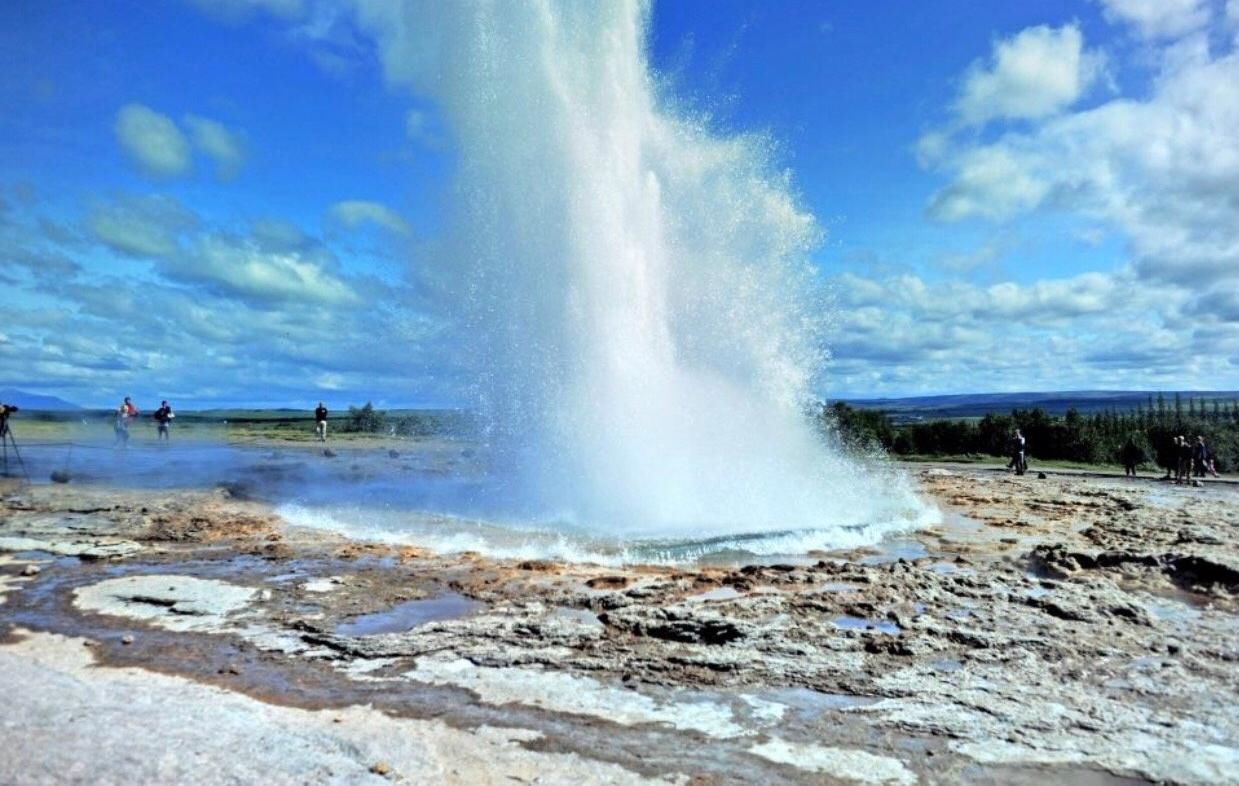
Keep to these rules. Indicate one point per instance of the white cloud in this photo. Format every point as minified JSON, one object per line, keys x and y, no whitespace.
{"x":1163,"y":171}
{"x":275,"y":264}
{"x":221,"y":145}
{"x":900,"y":333}
{"x":990,"y":182}
{"x":160,"y":147}
{"x":239,"y":267}
{"x":148,"y":226}
{"x":206,"y":314}
{"x":1089,"y":293}
{"x":356,"y":213}
{"x":152,"y":140}
{"x":955,"y":302}
{"x":1158,"y":18}
{"x":1037,"y":73}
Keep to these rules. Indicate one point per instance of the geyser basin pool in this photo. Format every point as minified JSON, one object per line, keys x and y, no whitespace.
{"x":448,"y":495}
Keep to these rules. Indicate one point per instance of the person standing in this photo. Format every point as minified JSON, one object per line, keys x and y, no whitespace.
{"x":1131,"y":456}
{"x":1183,"y":472}
{"x":1168,"y":455}
{"x":1200,"y":457}
{"x":125,"y":414}
{"x":163,"y":418}
{"x":1018,"y":444}
{"x":320,"y":422}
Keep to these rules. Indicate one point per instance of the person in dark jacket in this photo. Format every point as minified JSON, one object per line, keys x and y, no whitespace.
{"x":1168,"y":456}
{"x":1183,"y":471}
{"x":1200,"y":457}
{"x":163,"y":418}
{"x":320,"y":422}
{"x":1132,"y":456}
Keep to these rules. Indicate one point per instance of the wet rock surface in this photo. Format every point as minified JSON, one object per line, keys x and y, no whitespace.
{"x":1063,"y":630}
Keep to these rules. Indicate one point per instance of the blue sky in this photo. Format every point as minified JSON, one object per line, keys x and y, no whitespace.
{"x":226,"y":202}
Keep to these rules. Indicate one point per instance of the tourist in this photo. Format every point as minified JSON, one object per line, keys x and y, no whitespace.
{"x":1132,"y":456}
{"x":125,"y":414}
{"x":1200,"y":457}
{"x":163,"y":418}
{"x":320,"y":422}
{"x":1017,"y":454}
{"x":1168,"y":455}
{"x":1183,"y":468}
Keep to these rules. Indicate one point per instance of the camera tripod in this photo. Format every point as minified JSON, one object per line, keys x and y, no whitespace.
{"x":7,"y":441}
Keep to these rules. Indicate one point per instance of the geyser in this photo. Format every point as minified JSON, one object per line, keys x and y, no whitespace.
{"x":635,"y":290}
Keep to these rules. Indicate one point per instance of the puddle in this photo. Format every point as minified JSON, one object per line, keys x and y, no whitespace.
{"x":1174,"y":611}
{"x":34,"y":556}
{"x":946,"y":665}
{"x":285,"y":577}
{"x":860,"y":623}
{"x":959,"y":614}
{"x":409,"y":615}
{"x":951,"y":569}
{"x":722,"y":593}
{"x":837,"y":586}
{"x":897,"y":550}
{"x":810,"y":704}
{"x":581,"y":616}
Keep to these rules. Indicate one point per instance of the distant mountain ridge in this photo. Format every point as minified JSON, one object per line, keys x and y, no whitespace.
{"x":965,"y":405}
{"x":25,"y":400}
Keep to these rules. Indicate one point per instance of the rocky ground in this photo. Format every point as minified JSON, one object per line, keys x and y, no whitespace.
{"x":1066,"y":630}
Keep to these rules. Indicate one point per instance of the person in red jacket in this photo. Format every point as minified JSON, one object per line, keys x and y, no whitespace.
{"x":125,"y":414}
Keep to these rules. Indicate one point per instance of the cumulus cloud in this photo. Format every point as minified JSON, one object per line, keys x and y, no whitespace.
{"x":991,"y":182}
{"x":1158,"y":18}
{"x":239,"y":267}
{"x":274,"y":264}
{"x":900,"y":333}
{"x":152,"y":141}
{"x":160,"y":147}
{"x":1037,"y":73}
{"x":1163,"y":170}
{"x":356,"y":213}
{"x":1045,"y":302}
{"x":222,"y":146}
{"x":258,"y":315}
{"x":146,"y":226}
{"x":1220,"y":304}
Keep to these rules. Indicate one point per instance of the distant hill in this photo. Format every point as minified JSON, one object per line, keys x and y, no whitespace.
{"x":26,"y":400}
{"x":968,"y":405}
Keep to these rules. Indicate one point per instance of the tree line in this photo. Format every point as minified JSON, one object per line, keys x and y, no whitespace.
{"x":1096,"y":438}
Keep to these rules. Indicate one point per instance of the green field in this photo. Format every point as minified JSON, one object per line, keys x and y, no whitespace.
{"x":233,"y":425}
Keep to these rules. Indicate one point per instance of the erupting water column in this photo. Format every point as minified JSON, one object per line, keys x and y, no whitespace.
{"x":636,"y":291}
